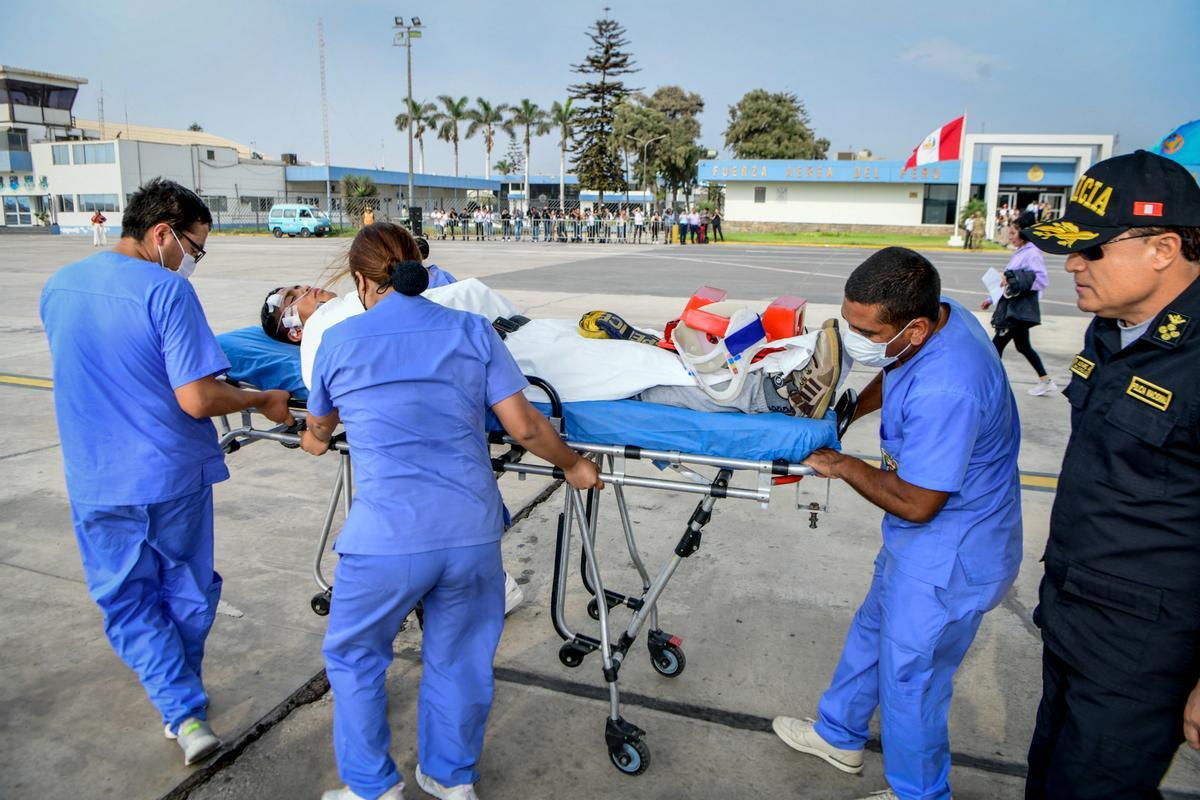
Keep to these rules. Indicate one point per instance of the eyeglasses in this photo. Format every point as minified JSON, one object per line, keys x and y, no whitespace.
{"x":1096,"y":251}
{"x":200,"y":252}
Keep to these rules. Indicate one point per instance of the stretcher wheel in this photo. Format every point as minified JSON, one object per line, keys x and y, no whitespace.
{"x":570,"y":655}
{"x":593,"y":609}
{"x":669,"y":661}
{"x":320,"y":603}
{"x":632,"y":758}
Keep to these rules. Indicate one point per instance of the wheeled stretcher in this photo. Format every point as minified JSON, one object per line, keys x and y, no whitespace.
{"x":703,"y":451}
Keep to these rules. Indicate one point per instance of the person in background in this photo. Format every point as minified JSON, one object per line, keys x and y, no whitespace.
{"x":716,"y":225}
{"x":1018,"y":310}
{"x":969,"y":230}
{"x":694,"y":224}
{"x":99,"y":234}
{"x":668,"y":225}
{"x":368,"y":217}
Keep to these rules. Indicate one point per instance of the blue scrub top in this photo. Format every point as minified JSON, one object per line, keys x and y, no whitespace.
{"x":124,"y":334}
{"x":439,"y":277}
{"x":949,"y":424}
{"x":413,"y":381}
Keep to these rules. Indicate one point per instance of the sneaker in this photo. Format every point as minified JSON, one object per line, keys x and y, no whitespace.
{"x":196,"y":739}
{"x":513,"y":594}
{"x":810,"y":390}
{"x":464,"y":791}
{"x":167,"y":732}
{"x":886,"y":794}
{"x":346,"y":793}
{"x":1043,"y":388}
{"x":801,"y":735}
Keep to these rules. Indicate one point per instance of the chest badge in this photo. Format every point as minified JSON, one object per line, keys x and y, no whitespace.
{"x":1171,"y":327}
{"x":1083,"y":367}
{"x":1148,"y":393}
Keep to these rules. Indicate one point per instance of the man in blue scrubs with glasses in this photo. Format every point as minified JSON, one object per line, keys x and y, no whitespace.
{"x":135,"y":368}
{"x":950,"y":490}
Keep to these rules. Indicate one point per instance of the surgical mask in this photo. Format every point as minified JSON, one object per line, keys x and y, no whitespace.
{"x":187,"y":266}
{"x":870,"y":353}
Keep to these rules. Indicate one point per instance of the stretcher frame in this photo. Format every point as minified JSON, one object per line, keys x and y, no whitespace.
{"x":624,"y":741}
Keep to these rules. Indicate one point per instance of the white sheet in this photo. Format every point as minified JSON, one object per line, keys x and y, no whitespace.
{"x":552,"y":349}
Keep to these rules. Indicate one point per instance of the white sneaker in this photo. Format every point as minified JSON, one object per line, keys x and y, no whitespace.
{"x":513,"y":594}
{"x":346,"y":793}
{"x":167,"y":732}
{"x":196,"y":739}
{"x":886,"y":794}
{"x":800,"y":734}
{"x":1042,"y":388}
{"x":464,"y":791}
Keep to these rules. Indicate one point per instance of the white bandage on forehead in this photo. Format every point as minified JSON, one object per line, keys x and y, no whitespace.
{"x":275,"y":300}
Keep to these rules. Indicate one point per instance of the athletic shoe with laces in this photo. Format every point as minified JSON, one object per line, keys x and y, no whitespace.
{"x":886,"y":794}
{"x":801,"y":735}
{"x":514,"y":595}
{"x":346,"y":793}
{"x":464,"y":791}
{"x":1043,"y":388}
{"x":196,"y":739}
{"x":810,"y":390}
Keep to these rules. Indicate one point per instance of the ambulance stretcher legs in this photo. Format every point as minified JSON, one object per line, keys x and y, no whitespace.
{"x":626,"y":746}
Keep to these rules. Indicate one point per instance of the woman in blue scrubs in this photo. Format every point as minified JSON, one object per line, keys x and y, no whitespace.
{"x":412,"y":382}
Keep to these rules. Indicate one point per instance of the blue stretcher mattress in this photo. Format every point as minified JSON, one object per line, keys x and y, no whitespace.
{"x":261,"y":361}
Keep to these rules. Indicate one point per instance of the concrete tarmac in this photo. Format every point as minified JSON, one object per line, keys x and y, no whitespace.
{"x":762,"y":607}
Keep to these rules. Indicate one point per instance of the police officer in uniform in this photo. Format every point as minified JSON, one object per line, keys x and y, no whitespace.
{"x":1120,"y":601}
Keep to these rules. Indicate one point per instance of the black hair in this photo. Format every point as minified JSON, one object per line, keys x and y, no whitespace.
{"x":162,"y":200}
{"x":407,"y":277}
{"x":270,"y":318}
{"x":423,"y":246}
{"x":901,"y":282}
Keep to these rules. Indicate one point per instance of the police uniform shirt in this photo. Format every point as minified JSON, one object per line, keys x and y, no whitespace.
{"x":1121,"y":598}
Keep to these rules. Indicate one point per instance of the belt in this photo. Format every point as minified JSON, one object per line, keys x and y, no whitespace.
{"x":506,"y":325}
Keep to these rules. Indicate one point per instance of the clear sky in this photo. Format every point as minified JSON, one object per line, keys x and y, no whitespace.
{"x":873,"y":73}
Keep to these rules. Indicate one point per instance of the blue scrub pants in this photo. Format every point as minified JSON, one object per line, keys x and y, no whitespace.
{"x":463,"y":593}
{"x":150,"y":569}
{"x":901,"y":653}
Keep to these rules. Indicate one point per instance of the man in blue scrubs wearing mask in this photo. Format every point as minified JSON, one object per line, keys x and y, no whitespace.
{"x":949,"y":488}
{"x":135,"y":368}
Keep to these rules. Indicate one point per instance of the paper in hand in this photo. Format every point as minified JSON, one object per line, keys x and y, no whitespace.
{"x":991,"y":282}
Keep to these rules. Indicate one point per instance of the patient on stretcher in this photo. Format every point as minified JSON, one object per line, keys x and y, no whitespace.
{"x":799,"y":380}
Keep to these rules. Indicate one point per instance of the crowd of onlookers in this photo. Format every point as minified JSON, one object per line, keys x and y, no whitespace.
{"x":975,"y":225}
{"x":593,"y":225}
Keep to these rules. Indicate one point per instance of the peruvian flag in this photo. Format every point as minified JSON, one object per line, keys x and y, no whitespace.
{"x":944,"y":144}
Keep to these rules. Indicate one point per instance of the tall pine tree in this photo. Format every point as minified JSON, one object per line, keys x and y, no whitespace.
{"x":596,"y":160}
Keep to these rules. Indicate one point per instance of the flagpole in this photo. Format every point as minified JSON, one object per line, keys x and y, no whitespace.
{"x":956,"y":240}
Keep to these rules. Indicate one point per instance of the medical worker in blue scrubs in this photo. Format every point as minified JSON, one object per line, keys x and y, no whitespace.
{"x":135,"y":368}
{"x":950,"y":490}
{"x":412,"y":381}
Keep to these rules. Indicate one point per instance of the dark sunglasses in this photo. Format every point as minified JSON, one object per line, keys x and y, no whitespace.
{"x":200,"y":252}
{"x":1096,"y":251}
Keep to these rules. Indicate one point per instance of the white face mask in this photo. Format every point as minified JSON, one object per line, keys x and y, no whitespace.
{"x":187,"y":266}
{"x":870,"y":353}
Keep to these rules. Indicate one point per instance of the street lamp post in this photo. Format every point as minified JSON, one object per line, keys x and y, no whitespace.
{"x":405,"y":33}
{"x":644,"y":145}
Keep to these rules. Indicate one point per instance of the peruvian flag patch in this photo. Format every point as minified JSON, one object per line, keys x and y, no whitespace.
{"x":1143,"y":209}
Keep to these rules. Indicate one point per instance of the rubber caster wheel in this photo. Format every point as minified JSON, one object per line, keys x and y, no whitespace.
{"x":632,"y":759}
{"x":669,"y":661}
{"x":320,"y":604}
{"x":593,"y":609}
{"x":570,"y":656}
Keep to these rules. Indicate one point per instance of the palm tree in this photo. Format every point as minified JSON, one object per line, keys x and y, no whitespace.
{"x":486,"y":118}
{"x":504,"y":167}
{"x":453,"y":112}
{"x":423,"y":118}
{"x":358,"y":192}
{"x":535,"y":121}
{"x":562,"y":117}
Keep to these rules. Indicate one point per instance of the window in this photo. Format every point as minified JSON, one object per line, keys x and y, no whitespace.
{"x":60,"y":153}
{"x":24,"y":93}
{"x":16,"y":141}
{"x":289,"y":213}
{"x":212,"y":155}
{"x":257,"y":203}
{"x":94,"y":153}
{"x":65,"y":202}
{"x":760,"y":194}
{"x":304,"y":213}
{"x":216,"y":202}
{"x":60,"y":97}
{"x":98,"y":202}
{"x":781,"y":194}
{"x":938,"y":208}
